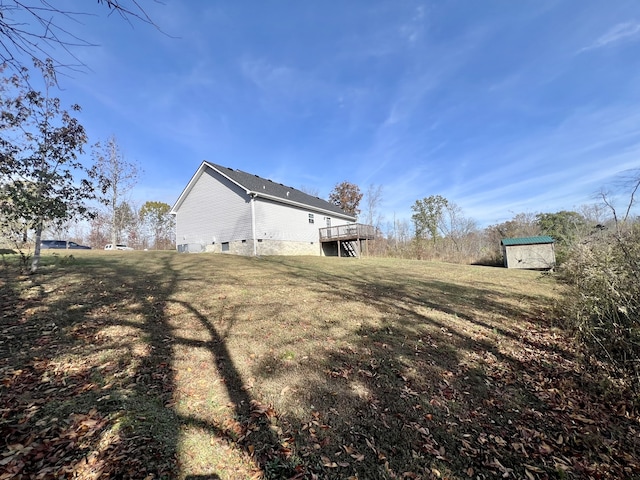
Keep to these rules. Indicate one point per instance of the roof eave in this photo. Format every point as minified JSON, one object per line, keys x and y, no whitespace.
{"x":303,"y":205}
{"x":187,"y":189}
{"x":193,"y":180}
{"x":235,"y":182}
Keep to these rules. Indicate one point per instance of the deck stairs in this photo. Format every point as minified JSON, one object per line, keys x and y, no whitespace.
{"x":349,"y":249}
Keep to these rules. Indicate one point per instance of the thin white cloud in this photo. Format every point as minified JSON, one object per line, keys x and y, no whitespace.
{"x":548,"y":171}
{"x":621,"y":32}
{"x":559,"y":170}
{"x":405,"y":109}
{"x":414,"y":28}
{"x":287,"y":90}
{"x":267,"y":76}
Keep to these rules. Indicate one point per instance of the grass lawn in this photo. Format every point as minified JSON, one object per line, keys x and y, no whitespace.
{"x":165,"y":365}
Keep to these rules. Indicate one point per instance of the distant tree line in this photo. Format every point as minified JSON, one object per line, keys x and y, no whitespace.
{"x":148,"y":227}
{"x":439,"y":229}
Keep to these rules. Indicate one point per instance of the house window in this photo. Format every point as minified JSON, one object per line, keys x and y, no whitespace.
{"x":225,"y":246}
{"x":328,"y":221}
{"x":311,"y":218}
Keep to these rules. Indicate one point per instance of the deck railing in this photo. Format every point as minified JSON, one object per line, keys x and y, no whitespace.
{"x":345,"y":232}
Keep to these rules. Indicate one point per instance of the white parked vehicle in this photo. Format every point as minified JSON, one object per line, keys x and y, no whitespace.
{"x":118,"y":246}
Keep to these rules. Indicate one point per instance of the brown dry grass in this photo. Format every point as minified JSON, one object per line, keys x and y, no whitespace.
{"x":204,"y":366}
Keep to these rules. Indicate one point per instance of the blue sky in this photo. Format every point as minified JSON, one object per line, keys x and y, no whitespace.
{"x":501,"y":107}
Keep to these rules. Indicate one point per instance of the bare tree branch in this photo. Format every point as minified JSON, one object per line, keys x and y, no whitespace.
{"x":35,"y":29}
{"x":628,"y":182}
{"x":634,"y":182}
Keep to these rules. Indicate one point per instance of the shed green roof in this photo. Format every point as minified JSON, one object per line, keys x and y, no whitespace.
{"x":527,"y":240}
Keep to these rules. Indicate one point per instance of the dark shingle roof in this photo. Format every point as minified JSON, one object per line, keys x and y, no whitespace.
{"x":526,"y":240}
{"x":266,"y":187}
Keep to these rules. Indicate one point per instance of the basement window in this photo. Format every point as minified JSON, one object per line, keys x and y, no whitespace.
{"x":311,"y":220}
{"x":225,"y":246}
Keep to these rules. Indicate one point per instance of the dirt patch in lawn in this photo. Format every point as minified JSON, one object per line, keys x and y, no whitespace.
{"x":160,"y":365}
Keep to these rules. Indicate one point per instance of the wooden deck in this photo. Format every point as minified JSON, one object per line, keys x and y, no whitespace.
{"x":354,"y":231}
{"x":346,"y":240}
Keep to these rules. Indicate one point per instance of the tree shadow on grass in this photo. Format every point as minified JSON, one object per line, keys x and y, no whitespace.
{"x":89,"y":378}
{"x":96,"y":380}
{"x":86,"y":372}
{"x":425,"y":392}
{"x":473,"y":304}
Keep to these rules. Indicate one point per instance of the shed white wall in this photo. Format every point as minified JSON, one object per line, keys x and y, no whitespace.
{"x":215,"y":208}
{"x":530,"y":256}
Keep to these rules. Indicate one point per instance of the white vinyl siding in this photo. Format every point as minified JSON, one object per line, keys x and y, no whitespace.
{"x":277,"y":221}
{"x":215,"y":208}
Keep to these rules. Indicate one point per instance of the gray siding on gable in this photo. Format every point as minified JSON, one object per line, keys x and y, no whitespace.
{"x":215,"y":208}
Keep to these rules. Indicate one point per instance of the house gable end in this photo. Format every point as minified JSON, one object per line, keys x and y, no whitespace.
{"x":213,"y":209}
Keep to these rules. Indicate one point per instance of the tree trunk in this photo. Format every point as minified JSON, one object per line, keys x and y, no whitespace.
{"x":35,"y":263}
{"x":114,"y":219}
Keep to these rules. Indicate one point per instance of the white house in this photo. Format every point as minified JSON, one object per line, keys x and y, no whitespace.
{"x":227,"y":210}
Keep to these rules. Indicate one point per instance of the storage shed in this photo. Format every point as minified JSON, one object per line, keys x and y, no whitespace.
{"x":529,"y":252}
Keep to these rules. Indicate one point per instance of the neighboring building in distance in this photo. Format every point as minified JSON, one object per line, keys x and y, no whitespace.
{"x":529,"y":252}
{"x":231,"y":211}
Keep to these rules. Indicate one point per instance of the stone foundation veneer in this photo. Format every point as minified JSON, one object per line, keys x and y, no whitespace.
{"x":267,"y":247}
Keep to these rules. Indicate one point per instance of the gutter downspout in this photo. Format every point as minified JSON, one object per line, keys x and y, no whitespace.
{"x":253,"y":224}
